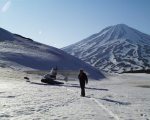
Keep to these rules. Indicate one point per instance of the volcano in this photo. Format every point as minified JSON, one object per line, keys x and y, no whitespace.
{"x":116,"y":48}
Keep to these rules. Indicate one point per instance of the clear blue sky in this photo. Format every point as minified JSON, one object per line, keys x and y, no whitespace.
{"x":62,"y":22}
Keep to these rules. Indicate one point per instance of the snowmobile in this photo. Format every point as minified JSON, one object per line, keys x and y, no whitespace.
{"x":50,"y":78}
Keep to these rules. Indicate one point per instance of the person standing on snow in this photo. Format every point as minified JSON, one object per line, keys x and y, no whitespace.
{"x":82,"y":79}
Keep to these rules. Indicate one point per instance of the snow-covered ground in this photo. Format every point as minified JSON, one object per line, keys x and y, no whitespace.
{"x":119,"y":97}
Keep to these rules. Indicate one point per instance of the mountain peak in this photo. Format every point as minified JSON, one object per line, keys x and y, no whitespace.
{"x":121,"y":25}
{"x":124,"y":32}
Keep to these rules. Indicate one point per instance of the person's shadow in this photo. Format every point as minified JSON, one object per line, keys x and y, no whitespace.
{"x":91,"y":88}
{"x":115,"y":101}
{"x":110,"y":100}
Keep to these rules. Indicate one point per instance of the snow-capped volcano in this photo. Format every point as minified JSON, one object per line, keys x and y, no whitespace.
{"x":23,"y":53}
{"x":116,"y":48}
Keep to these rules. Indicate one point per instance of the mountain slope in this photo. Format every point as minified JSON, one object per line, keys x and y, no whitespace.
{"x":23,"y":53}
{"x":115,"y":49}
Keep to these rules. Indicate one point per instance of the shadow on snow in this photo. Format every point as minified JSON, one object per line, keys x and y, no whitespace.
{"x":67,"y":85}
{"x":91,"y":88}
{"x":116,"y":102}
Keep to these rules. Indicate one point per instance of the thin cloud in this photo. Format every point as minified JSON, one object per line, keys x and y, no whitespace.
{"x":6,"y":6}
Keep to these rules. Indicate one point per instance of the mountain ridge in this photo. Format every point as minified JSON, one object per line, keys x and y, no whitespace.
{"x":22,"y":53}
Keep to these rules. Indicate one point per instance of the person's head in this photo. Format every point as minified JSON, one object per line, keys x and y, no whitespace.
{"x":81,"y":70}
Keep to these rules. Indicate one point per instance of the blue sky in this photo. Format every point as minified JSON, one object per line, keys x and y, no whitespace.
{"x":62,"y":22}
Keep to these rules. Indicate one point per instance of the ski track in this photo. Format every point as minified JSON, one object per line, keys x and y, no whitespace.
{"x":106,"y":109}
{"x":115,"y":116}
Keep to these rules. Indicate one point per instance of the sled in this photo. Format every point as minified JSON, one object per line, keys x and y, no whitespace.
{"x":51,"y":81}
{"x":50,"y":78}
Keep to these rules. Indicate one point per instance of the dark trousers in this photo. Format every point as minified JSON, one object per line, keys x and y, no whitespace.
{"x":82,"y":90}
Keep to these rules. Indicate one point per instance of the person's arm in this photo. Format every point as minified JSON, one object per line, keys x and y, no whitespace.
{"x":79,"y":76}
{"x":86,"y":79}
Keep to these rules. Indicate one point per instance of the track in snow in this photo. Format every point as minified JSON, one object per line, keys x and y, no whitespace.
{"x":115,"y":116}
{"x":106,"y":109}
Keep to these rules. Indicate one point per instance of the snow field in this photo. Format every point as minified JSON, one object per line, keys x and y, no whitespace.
{"x":120,"y":97}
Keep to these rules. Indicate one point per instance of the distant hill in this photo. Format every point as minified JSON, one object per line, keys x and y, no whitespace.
{"x":22,"y":53}
{"x":116,"y":48}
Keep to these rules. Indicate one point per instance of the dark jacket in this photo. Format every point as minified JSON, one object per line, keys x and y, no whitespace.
{"x":83,"y":79}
